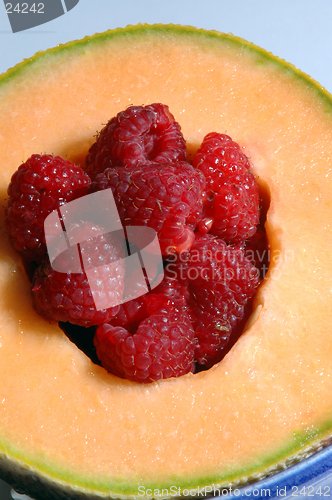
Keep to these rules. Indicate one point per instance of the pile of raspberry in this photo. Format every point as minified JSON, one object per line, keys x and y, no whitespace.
{"x":207,"y":216}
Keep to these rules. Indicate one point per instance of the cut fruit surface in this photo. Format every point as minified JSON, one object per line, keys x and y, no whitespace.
{"x":65,"y":423}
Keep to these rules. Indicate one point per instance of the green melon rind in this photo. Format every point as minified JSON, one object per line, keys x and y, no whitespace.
{"x":15,"y":465}
{"x":37,"y":474}
{"x":263,"y":56}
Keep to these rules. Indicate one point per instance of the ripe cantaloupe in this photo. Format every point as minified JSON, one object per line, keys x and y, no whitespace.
{"x":69,"y":428}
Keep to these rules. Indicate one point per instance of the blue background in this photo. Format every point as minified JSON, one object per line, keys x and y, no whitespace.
{"x":298,"y":31}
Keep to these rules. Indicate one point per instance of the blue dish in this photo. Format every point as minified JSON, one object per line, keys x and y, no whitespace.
{"x":311,"y":478}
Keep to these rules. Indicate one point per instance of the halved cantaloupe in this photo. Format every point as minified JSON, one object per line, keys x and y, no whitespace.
{"x":68,"y":426}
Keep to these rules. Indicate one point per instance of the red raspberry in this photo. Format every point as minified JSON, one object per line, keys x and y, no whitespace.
{"x":220,"y":282}
{"x":68,"y":297}
{"x":39,"y":186}
{"x":170,"y":293}
{"x":167,"y":198}
{"x":138,"y":135}
{"x":231,"y":205}
{"x":162,"y":347}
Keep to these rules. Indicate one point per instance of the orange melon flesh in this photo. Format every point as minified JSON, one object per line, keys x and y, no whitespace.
{"x":79,"y":429}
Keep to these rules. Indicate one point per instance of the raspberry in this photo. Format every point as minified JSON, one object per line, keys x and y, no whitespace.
{"x":256,"y":249}
{"x":39,"y":186}
{"x":138,"y":135}
{"x":231,"y":205}
{"x":68,"y":296}
{"x":220,"y":282}
{"x":195,"y":315}
{"x":167,"y":198}
{"x":170,"y":293}
{"x":162,"y":347}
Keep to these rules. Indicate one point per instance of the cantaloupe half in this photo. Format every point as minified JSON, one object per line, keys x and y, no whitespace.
{"x":68,"y":429}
